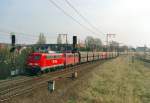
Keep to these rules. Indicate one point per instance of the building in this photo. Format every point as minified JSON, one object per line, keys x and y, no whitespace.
{"x":141,"y":49}
{"x":4,"y":45}
{"x":53,"y":47}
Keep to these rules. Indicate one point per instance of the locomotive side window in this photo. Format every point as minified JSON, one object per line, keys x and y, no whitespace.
{"x":70,"y":55}
{"x":57,"y":56}
{"x":49,"y":57}
{"x":76,"y":55}
{"x":53,"y":56}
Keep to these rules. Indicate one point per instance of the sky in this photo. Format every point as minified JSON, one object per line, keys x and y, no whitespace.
{"x":128,"y":19}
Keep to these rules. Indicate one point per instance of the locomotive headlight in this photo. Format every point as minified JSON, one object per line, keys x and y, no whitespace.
{"x":36,"y":64}
{"x":30,"y":64}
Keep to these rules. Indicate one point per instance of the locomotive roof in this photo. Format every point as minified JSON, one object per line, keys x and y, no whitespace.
{"x":38,"y":53}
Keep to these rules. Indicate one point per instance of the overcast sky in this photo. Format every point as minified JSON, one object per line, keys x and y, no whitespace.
{"x":128,"y":19}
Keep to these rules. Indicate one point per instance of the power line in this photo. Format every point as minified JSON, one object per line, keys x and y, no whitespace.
{"x":86,"y":20}
{"x":20,"y":38}
{"x":8,"y":34}
{"x":67,"y":14}
{"x":23,"y":37}
{"x":31,"y":36}
{"x":21,"y":33}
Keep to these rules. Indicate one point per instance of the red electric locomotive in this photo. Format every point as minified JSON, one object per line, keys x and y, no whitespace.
{"x":44,"y":62}
{"x":38,"y":62}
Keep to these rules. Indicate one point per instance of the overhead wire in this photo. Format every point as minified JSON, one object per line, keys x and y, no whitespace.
{"x":83,"y":17}
{"x":34,"y":37}
{"x":26,"y":37}
{"x":70,"y":16}
{"x":24,"y":34}
{"x":9,"y":33}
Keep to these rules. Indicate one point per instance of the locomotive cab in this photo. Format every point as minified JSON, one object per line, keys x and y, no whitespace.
{"x":34,"y":63}
{"x":44,"y":62}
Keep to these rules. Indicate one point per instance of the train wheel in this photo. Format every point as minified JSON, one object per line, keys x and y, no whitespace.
{"x":39,"y":73}
{"x":47,"y":70}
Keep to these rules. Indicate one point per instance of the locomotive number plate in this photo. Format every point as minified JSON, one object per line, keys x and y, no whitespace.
{"x":54,"y":61}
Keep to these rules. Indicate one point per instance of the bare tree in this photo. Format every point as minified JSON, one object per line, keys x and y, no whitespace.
{"x":114,"y":46}
{"x":42,"y":39}
{"x":89,"y":42}
{"x":93,"y":43}
{"x":98,"y":44}
{"x":59,"y":40}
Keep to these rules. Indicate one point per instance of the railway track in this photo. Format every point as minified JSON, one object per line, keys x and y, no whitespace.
{"x":13,"y":82}
{"x":143,"y":59}
{"x":146,"y":60}
{"x":28,"y":85}
{"x":14,"y":79}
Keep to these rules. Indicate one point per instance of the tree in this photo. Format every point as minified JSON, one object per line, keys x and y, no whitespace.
{"x":98,"y":44}
{"x":89,"y":42}
{"x":114,"y":46}
{"x":123,"y":48}
{"x":93,"y":43}
{"x":42,"y":39}
{"x":59,"y":41}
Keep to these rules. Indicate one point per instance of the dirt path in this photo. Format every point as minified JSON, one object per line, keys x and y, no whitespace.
{"x":114,"y":81}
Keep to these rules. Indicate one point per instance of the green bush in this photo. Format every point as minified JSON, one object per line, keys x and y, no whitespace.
{"x":12,"y":61}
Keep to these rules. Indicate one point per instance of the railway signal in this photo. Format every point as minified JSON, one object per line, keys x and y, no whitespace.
{"x":74,"y":43}
{"x":13,"y":42}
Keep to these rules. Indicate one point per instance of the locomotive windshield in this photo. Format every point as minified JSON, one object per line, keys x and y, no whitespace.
{"x":37,"y":57}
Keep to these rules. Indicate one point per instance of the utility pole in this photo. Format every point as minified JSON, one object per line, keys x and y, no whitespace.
{"x":59,"y":40}
{"x":107,"y":40}
{"x":65,"y":37}
{"x":144,"y":51}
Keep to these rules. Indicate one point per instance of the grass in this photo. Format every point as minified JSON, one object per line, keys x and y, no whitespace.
{"x":117,"y":81}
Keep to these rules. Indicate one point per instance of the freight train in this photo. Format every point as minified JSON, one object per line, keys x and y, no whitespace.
{"x":46,"y":62}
